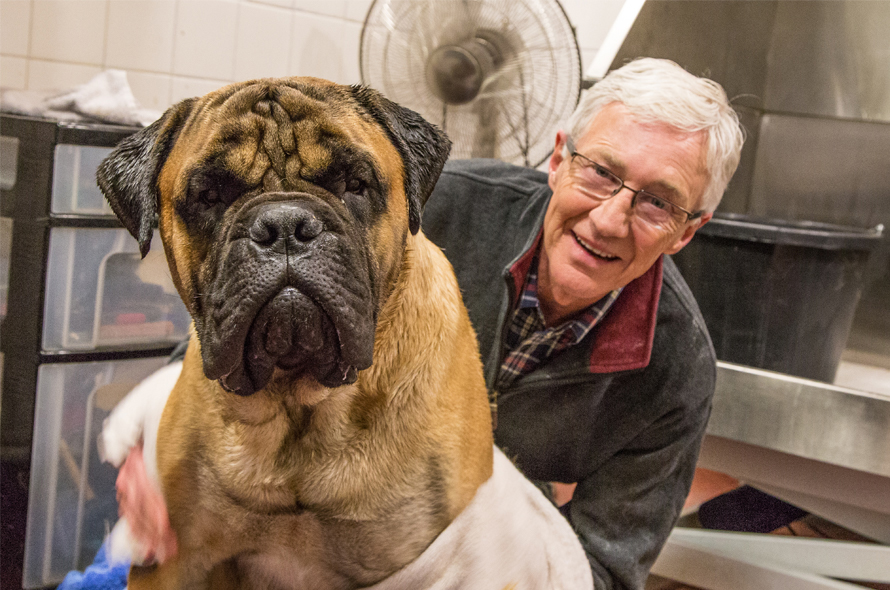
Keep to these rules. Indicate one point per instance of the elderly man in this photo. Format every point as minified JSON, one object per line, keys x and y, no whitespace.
{"x":598,"y":363}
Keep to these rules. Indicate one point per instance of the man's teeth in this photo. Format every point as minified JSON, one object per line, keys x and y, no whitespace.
{"x":593,"y":250}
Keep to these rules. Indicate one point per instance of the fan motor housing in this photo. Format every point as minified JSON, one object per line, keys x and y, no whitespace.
{"x":456,"y":73}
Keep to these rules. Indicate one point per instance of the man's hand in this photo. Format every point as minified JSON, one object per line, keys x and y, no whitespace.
{"x":563,"y":492}
{"x":140,"y":501}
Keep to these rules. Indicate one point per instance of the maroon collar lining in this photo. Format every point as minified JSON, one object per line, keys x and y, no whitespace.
{"x":623,"y":340}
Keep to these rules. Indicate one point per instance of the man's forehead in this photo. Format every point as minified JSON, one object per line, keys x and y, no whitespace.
{"x":616,"y":116}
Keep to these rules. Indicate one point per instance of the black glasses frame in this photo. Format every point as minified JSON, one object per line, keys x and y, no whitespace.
{"x":570,"y":146}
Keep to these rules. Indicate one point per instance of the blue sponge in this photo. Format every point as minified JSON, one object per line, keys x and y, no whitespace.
{"x":100,"y":575}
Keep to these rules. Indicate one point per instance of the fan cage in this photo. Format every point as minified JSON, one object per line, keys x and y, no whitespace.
{"x":520,"y":106}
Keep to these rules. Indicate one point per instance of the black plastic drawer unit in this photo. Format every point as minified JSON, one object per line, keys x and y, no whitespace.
{"x":84,"y":319}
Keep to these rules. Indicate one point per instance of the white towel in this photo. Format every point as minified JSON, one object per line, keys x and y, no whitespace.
{"x":107,"y":98}
{"x":510,"y":537}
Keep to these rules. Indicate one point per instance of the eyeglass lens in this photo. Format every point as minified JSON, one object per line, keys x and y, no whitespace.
{"x":599,"y":183}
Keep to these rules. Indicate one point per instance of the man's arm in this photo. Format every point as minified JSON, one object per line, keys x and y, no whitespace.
{"x":141,"y":503}
{"x":129,"y":441}
{"x":625,"y":510}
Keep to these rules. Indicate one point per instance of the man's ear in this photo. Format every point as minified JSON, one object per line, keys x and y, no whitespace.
{"x":556,"y":158}
{"x":423,"y":146}
{"x":688,"y":233}
{"x":128,"y":175}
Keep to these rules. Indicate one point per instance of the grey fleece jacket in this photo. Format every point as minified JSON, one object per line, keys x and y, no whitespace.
{"x":623,"y":412}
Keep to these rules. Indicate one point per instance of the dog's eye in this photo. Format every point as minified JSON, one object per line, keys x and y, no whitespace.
{"x":215,"y":187}
{"x":356,"y":186}
{"x":209,"y":196}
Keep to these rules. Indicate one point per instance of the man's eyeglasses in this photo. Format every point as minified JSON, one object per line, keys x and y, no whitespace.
{"x":599,"y":183}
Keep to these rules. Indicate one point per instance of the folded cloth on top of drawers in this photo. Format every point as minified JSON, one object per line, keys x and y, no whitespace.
{"x":107,"y":98}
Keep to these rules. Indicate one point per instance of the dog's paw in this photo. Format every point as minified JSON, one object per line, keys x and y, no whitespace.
{"x":136,"y":413}
{"x":123,"y":547}
{"x":116,"y":440}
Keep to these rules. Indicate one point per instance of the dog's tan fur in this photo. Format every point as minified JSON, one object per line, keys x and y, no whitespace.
{"x":361,"y":457}
{"x":299,"y":485}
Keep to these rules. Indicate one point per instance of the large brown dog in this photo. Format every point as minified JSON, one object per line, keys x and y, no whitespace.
{"x":331,"y":417}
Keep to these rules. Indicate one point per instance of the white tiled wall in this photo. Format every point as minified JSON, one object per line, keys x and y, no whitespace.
{"x":175,"y":49}
{"x":592,"y":20}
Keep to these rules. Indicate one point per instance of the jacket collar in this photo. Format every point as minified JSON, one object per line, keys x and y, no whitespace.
{"x":623,"y":339}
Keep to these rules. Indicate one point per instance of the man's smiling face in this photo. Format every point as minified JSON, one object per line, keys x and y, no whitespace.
{"x":592,"y":247}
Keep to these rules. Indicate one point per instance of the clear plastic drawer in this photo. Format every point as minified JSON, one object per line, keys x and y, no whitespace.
{"x":74,"y":180}
{"x":9,"y":159}
{"x":5,"y":251}
{"x":99,"y":292}
{"x":72,"y":497}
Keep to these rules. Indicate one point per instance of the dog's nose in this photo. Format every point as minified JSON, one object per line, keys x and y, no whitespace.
{"x":280,"y":221}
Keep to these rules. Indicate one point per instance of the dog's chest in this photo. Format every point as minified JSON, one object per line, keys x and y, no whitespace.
{"x":252,"y":464}
{"x":259,"y":455}
{"x":284,"y":570}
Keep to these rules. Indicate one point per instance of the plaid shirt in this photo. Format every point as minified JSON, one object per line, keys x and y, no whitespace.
{"x":529,"y":342}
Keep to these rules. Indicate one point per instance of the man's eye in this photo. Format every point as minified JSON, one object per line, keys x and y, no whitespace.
{"x":655,"y":201}
{"x":602,"y":172}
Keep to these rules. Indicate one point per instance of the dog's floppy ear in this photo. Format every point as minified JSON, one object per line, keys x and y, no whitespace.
{"x":423,"y":146}
{"x":128,"y":175}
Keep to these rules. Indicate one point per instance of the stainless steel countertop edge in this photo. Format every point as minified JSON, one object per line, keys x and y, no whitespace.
{"x":810,"y":419}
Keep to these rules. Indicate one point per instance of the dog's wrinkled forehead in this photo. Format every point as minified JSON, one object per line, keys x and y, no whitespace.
{"x":268,"y":134}
{"x":272,"y":135}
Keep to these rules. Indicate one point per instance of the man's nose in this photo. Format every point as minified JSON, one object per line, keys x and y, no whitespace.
{"x":613,"y":216}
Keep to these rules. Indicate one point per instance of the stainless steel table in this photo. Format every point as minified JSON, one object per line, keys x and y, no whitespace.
{"x":821,"y":447}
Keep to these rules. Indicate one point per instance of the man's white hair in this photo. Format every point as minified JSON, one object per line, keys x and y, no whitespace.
{"x":659,"y":90}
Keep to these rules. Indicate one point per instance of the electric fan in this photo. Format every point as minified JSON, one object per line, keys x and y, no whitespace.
{"x":499,"y":76}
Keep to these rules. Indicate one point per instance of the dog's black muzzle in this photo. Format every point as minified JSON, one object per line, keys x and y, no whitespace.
{"x":291,"y":287}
